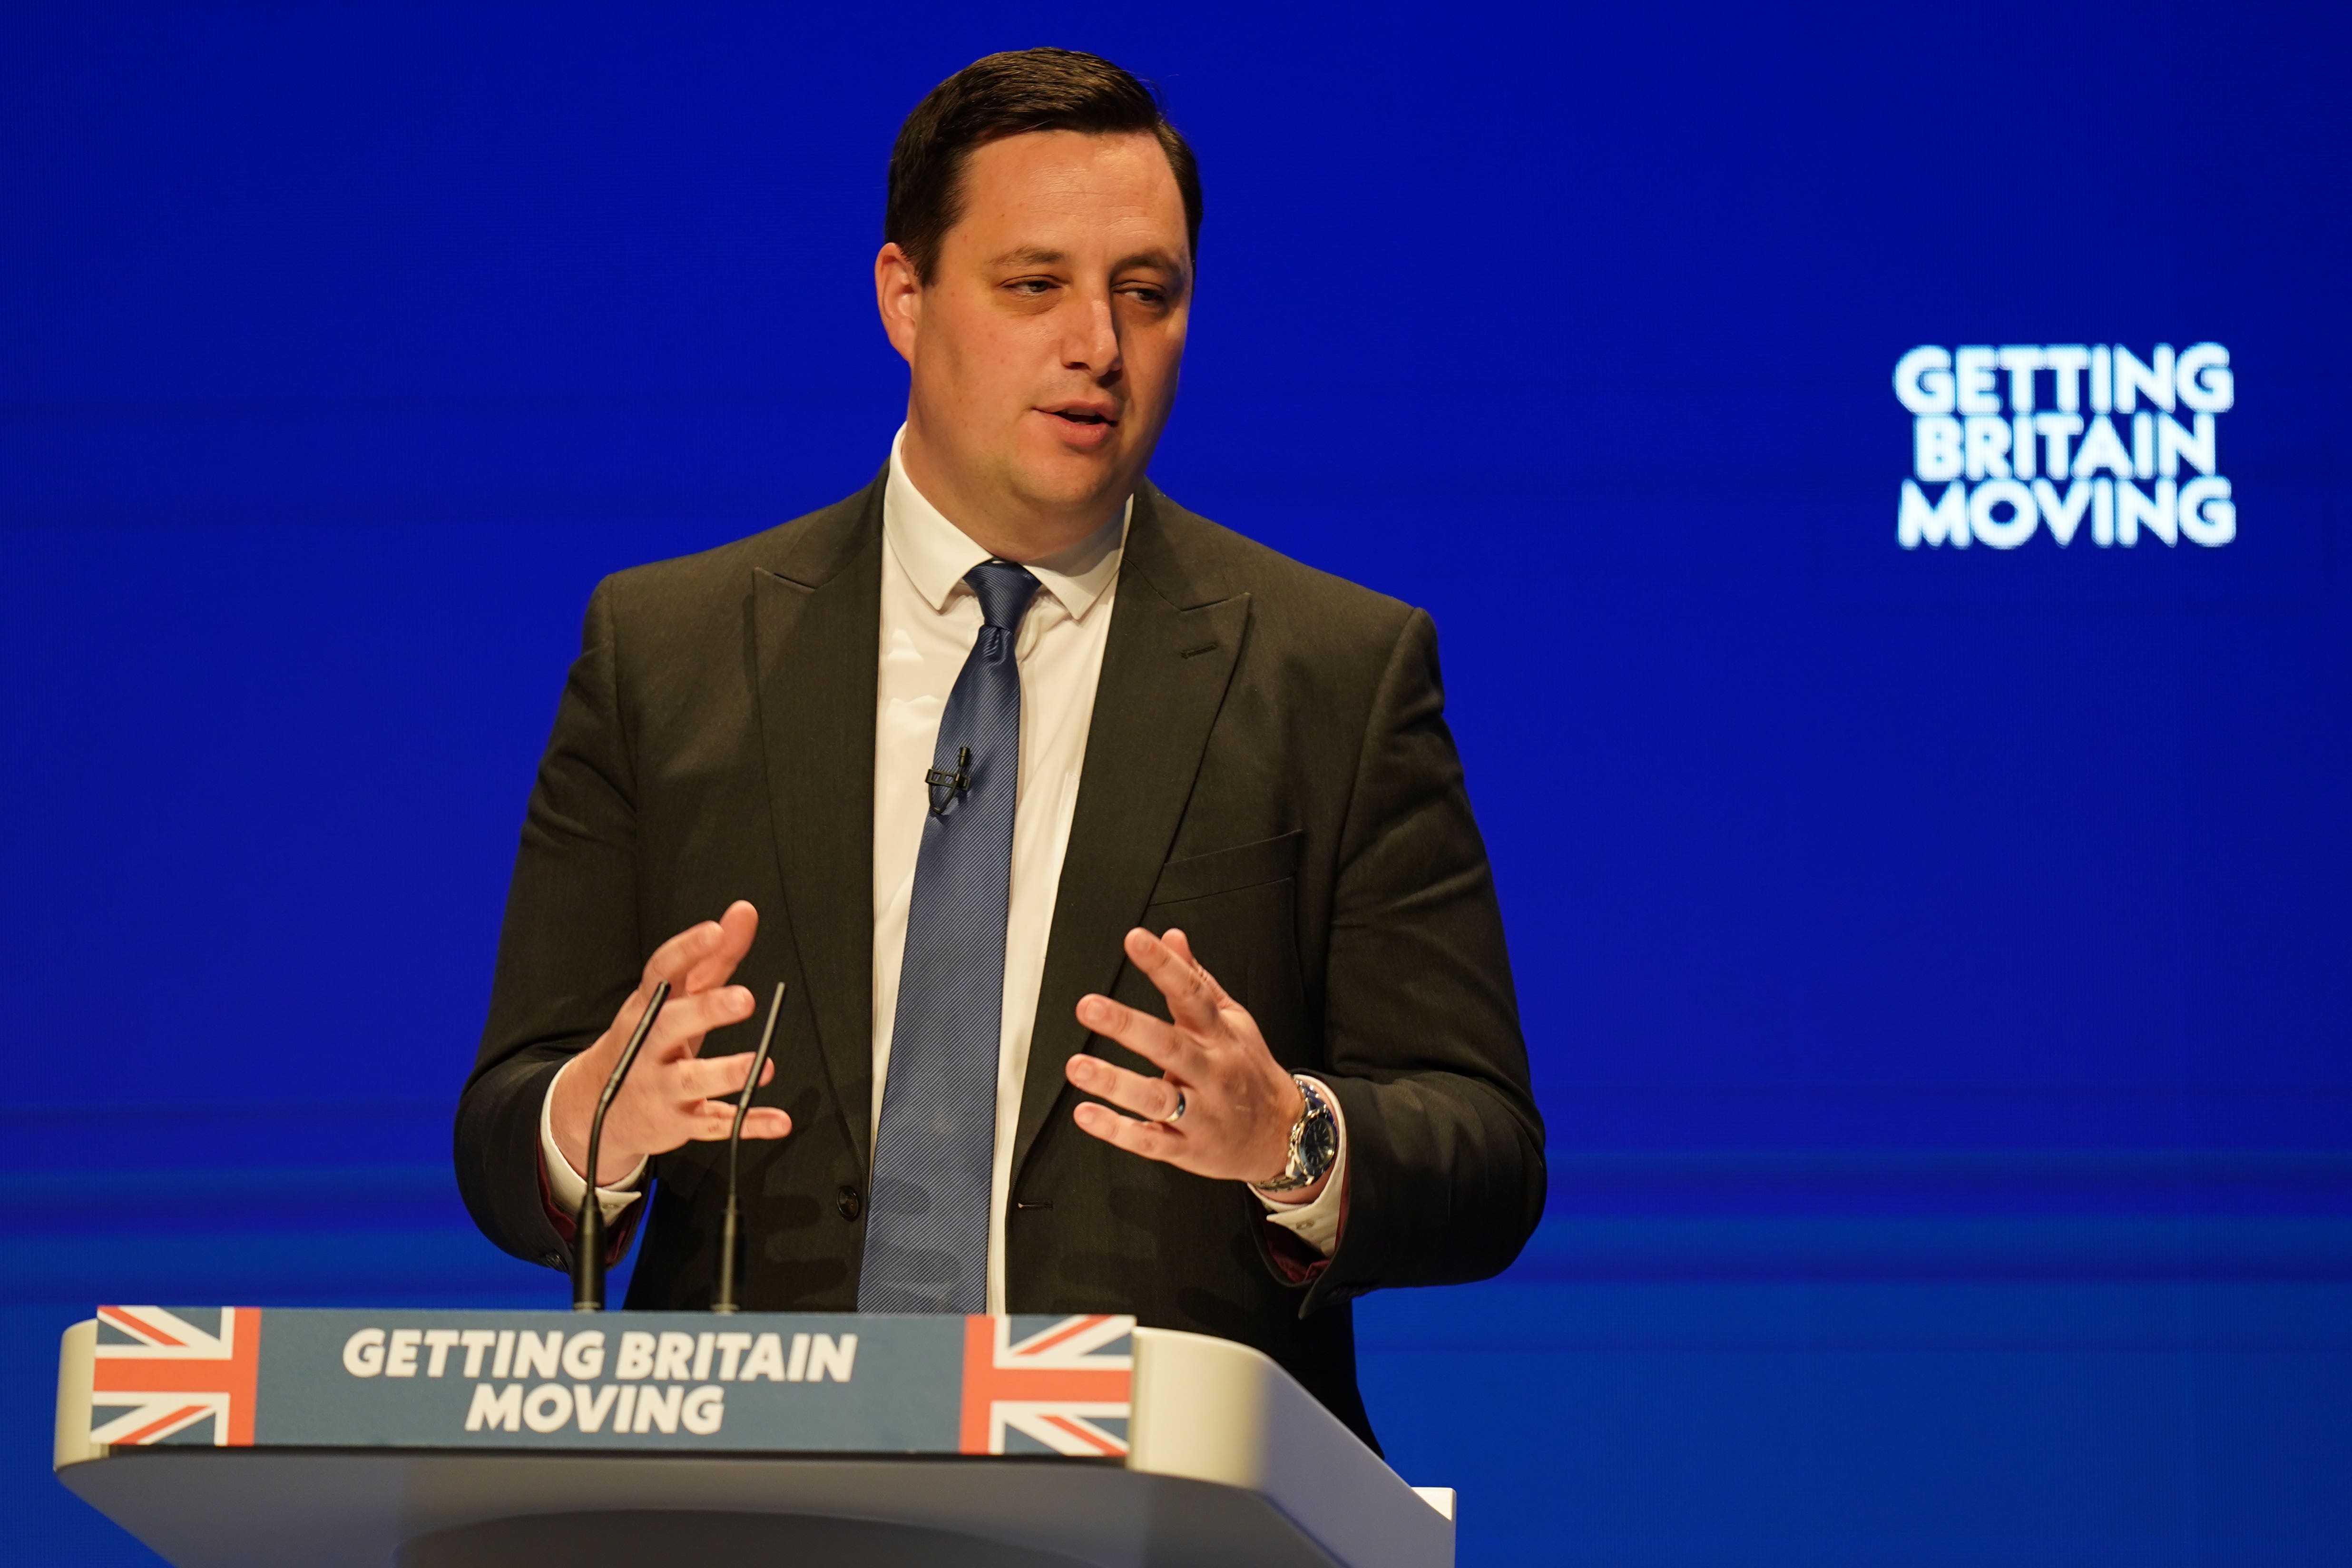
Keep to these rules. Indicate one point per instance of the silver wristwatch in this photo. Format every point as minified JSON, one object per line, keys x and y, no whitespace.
{"x":1314,"y":1141}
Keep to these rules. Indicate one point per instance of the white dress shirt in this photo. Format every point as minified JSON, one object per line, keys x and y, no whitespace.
{"x":930,"y":619}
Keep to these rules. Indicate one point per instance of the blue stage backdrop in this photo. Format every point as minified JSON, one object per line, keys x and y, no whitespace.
{"x":1876,"y":474}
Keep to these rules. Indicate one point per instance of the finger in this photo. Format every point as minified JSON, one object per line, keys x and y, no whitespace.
{"x":709,"y":1078}
{"x":766,"y":1121}
{"x":1191,"y":998}
{"x":736,"y":927}
{"x":673,"y":959}
{"x":1181,"y":946}
{"x":1153,"y":1098}
{"x":1148,"y":1139}
{"x":687,"y":1019}
{"x":714,"y":1121}
{"x":1153,"y":1039}
{"x":670,"y":960}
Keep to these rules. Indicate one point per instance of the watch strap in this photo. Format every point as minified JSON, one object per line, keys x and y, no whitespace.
{"x":1314,"y":1141}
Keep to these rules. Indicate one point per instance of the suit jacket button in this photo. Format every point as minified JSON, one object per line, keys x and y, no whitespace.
{"x":851,"y":1203}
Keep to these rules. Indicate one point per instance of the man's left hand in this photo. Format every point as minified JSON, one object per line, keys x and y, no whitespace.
{"x":1238,"y":1103}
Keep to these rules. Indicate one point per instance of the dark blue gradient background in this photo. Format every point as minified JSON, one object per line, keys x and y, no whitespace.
{"x":1935,"y":964}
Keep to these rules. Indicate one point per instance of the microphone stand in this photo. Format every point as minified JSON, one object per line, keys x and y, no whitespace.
{"x":723,"y":1299}
{"x":588,"y":1235}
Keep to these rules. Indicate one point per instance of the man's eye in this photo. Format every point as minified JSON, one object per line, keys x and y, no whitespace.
{"x":1032,"y":286}
{"x":1152,"y":297}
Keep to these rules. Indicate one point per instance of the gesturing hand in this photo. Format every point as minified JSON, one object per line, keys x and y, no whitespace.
{"x":669,"y":1098}
{"x":1238,"y":1101}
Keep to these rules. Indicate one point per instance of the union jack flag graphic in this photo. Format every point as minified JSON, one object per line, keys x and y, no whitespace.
{"x":161,"y":1375}
{"x":1064,"y":1387}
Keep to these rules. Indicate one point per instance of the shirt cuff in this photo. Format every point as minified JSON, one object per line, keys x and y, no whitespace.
{"x":1318,"y":1223}
{"x":566,"y":1186}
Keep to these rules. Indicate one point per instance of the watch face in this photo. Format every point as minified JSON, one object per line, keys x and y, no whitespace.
{"x":1318,"y":1146}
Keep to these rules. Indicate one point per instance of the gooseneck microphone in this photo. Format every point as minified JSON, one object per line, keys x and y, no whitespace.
{"x":588,"y":1235}
{"x":723,"y":1298}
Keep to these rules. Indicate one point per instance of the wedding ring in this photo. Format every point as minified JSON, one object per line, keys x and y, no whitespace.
{"x":1176,"y":1115}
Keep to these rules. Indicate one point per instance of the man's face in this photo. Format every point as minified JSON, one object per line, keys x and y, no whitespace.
{"x":1045,"y":349}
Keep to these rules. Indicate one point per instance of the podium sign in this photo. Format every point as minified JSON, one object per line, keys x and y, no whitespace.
{"x":767,"y":1383}
{"x":237,"y":1438}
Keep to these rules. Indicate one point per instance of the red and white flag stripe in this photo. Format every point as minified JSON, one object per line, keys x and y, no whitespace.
{"x":171,"y":1375}
{"x":1057,"y":1387}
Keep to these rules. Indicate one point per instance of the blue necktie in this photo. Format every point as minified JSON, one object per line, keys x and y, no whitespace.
{"x":926,"y":1227}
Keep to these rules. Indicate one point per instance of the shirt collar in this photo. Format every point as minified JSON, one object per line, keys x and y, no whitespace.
{"x":936,"y":553}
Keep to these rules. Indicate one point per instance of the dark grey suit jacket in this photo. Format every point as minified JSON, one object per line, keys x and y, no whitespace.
{"x":1268,"y":767}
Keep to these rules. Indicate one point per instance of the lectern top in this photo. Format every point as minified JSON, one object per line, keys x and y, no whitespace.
{"x":234,"y":1438}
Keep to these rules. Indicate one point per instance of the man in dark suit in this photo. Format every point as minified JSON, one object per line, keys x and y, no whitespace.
{"x":1173,"y":984}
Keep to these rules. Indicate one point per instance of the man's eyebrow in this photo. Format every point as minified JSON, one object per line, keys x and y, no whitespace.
{"x":1164,"y":260}
{"x":1045,"y":255}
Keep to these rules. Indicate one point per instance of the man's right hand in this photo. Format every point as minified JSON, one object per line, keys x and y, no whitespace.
{"x":670,"y":1097}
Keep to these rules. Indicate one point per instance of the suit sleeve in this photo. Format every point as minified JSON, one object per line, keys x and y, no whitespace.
{"x":568,"y":950}
{"x":1445,"y":1178}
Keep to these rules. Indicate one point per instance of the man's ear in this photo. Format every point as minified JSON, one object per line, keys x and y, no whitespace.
{"x":898,"y":295}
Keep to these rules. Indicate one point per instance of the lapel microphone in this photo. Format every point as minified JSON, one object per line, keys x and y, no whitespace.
{"x":723,"y":1298}
{"x":588,"y":1235}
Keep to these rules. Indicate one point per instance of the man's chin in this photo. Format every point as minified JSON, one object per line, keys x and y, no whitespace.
{"x":1069,"y":482}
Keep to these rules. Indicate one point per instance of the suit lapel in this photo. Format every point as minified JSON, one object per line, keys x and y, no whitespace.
{"x":1175,"y":633}
{"x":816,"y":626}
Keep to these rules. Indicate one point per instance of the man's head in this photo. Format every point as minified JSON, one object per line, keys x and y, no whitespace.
{"x":1037,"y":275}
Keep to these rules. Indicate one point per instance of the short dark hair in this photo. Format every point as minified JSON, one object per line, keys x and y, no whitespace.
{"x":1006,"y":95}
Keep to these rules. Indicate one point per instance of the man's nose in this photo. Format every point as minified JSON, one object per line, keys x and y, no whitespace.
{"x":1093,"y":343}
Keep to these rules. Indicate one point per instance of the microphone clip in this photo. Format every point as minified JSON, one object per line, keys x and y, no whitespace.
{"x":955,"y":783}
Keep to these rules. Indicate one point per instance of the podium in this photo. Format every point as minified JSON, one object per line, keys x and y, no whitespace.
{"x":340,"y":1439}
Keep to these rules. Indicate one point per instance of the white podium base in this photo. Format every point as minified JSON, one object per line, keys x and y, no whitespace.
{"x":209,"y":1508}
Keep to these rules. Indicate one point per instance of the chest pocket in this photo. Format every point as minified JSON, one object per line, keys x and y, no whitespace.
{"x":1238,"y":908}
{"x":1242,"y":867}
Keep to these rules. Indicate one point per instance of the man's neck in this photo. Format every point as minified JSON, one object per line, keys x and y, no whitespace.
{"x":1006,"y":528}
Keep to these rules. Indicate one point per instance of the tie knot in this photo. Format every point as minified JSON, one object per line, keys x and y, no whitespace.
{"x":1004,"y":592}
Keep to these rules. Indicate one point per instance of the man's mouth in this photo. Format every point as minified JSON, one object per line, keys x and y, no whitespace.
{"x":1081,"y":416}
